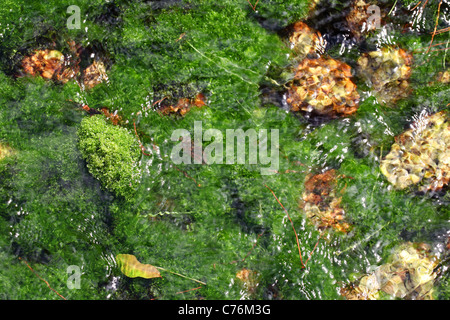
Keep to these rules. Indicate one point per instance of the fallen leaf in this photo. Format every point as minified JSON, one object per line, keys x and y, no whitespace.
{"x":131,"y":267}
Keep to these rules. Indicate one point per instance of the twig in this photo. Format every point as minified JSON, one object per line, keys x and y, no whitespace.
{"x":414,"y":8}
{"x":395,"y":3}
{"x":435,"y":26}
{"x":310,"y":254}
{"x":189,"y":290}
{"x":442,"y":30}
{"x":253,"y":6}
{"x":48,"y":285}
{"x":292,"y":224}
{"x":253,"y":247}
{"x":188,"y":176}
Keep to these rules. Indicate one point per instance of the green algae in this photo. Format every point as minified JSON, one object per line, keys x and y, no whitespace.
{"x":219,"y":218}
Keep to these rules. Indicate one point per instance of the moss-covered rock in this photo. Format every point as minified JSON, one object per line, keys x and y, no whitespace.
{"x":111,"y":153}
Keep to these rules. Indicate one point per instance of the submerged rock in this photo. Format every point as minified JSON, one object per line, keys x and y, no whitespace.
{"x":323,"y":86}
{"x":112,"y":155}
{"x":321,"y":204}
{"x":409,"y":274}
{"x":387,"y":72}
{"x":421,"y":155}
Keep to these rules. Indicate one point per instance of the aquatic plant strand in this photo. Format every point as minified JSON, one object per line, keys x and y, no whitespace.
{"x":435,"y":26}
{"x":48,"y":285}
{"x":295,"y":232}
{"x":180,"y":275}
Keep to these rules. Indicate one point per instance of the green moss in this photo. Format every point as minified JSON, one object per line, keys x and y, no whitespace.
{"x":111,"y":153}
{"x":62,"y":195}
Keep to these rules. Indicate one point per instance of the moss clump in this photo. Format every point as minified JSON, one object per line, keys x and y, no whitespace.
{"x":111,"y":153}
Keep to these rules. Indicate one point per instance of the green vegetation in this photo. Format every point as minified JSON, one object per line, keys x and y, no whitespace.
{"x":111,"y":153}
{"x":79,"y":191}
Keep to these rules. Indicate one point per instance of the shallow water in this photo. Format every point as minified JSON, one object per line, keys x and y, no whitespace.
{"x":207,"y":222}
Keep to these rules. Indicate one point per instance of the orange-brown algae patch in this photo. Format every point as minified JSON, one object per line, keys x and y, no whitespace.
{"x":113,"y":117}
{"x":54,"y":65}
{"x":304,"y":40}
{"x":321,"y":204}
{"x":183,"y":105}
{"x":362,"y":19}
{"x":45,"y":63}
{"x":94,"y":74}
{"x":323,"y":86}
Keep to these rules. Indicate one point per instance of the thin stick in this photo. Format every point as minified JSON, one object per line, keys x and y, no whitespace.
{"x":48,"y":285}
{"x":435,"y":26}
{"x":438,"y":44}
{"x":312,"y":250}
{"x":416,"y":6}
{"x":187,"y":176}
{"x":442,"y":30}
{"x":180,"y":275}
{"x":189,"y":290}
{"x":253,"y":6}
{"x":253,"y":247}
{"x":292,"y":224}
{"x":395,"y":3}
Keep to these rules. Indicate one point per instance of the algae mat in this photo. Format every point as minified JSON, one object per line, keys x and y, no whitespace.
{"x":229,"y":150}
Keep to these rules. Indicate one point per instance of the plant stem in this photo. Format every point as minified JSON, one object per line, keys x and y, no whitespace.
{"x":180,"y":275}
{"x":392,"y":8}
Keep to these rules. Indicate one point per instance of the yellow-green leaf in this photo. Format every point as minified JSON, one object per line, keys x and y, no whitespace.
{"x":131,"y":267}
